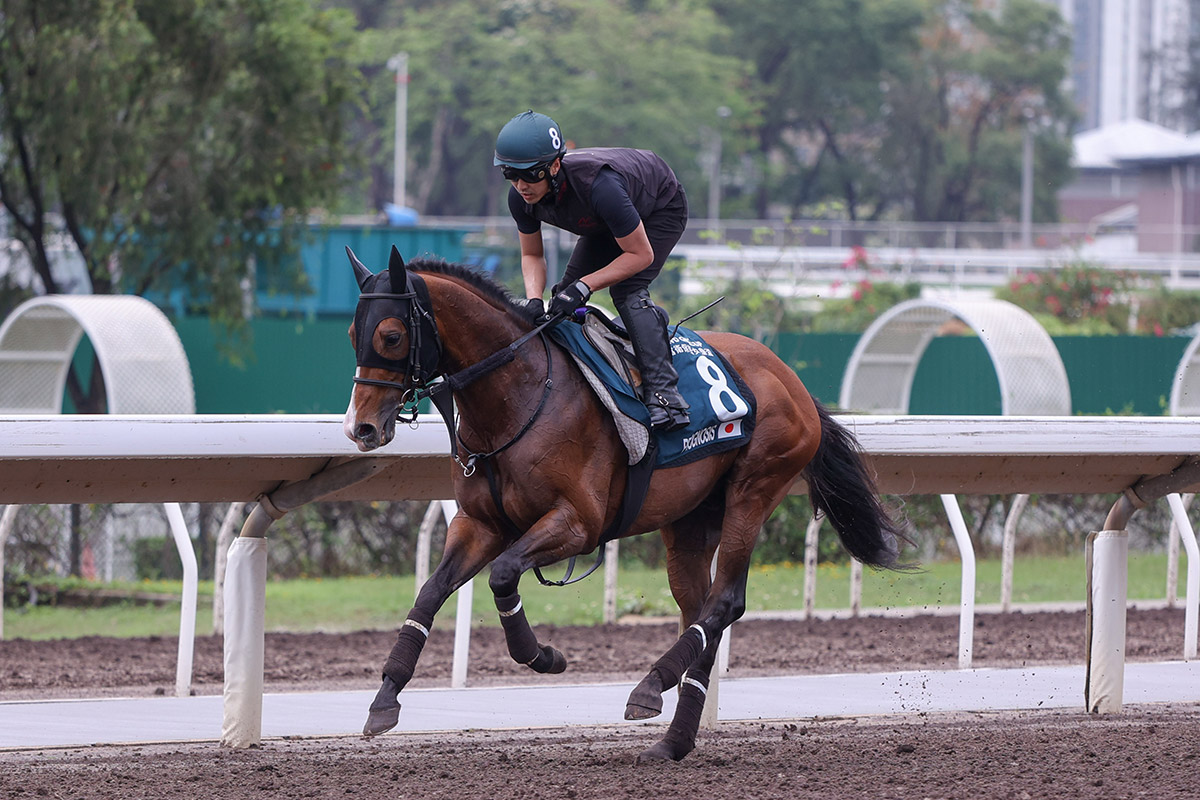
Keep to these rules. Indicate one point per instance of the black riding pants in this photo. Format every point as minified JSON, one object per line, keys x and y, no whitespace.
{"x":663,"y":228}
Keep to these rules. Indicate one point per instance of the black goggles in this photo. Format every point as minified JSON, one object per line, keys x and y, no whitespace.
{"x":534,"y":174}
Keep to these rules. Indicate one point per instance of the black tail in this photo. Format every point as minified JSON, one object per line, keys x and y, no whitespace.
{"x":840,"y":488}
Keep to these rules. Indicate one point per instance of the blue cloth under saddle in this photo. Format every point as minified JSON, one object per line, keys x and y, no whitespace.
{"x":722,"y":406}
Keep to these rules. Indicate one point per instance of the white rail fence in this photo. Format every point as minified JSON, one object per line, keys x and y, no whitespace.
{"x":285,"y":461}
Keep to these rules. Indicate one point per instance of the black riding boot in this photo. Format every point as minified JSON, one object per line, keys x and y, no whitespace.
{"x":647,"y":328}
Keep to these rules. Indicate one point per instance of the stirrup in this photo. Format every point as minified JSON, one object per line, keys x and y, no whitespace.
{"x":665,"y":417}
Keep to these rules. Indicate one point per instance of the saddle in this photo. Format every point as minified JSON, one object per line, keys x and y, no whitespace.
{"x":612,"y":344}
{"x":723,"y":407}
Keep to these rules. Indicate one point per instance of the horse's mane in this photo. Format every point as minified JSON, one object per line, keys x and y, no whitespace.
{"x":476,"y":279}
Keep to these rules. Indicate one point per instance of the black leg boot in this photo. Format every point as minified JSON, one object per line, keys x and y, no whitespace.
{"x":647,"y":327}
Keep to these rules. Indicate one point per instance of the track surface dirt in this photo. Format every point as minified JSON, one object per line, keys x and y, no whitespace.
{"x":1148,"y":751}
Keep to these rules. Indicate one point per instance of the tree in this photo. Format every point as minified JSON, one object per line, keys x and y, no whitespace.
{"x":637,"y":73}
{"x":172,"y":143}
{"x":958,"y":108}
{"x":909,"y":108}
{"x":819,"y":68}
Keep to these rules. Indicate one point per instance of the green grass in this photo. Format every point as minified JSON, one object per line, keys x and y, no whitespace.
{"x":380,"y":603}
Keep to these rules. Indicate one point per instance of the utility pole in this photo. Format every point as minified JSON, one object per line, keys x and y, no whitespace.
{"x":399,"y":64}
{"x":1027,"y":182}
{"x":714,"y":175}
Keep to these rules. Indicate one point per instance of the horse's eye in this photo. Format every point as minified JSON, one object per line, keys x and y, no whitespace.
{"x":391,"y":340}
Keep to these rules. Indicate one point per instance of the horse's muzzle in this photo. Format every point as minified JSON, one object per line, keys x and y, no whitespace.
{"x":368,"y":436}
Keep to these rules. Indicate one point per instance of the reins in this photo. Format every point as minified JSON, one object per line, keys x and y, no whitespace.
{"x":442,"y":397}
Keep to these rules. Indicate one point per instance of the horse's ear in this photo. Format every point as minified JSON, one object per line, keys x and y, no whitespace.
{"x":361,"y":273}
{"x":396,"y":270}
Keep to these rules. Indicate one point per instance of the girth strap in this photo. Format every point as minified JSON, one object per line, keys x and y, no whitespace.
{"x":637,"y":486}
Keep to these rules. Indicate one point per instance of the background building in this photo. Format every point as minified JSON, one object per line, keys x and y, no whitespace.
{"x":1127,"y":56}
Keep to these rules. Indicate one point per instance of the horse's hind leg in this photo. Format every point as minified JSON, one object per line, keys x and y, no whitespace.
{"x":724,"y":603}
{"x":469,"y":546}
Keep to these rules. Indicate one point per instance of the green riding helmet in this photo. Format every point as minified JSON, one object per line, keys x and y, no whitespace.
{"x":528,"y":139}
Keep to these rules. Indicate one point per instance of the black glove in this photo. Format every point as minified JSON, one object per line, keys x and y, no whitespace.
{"x":566,"y":300}
{"x":535,"y":306}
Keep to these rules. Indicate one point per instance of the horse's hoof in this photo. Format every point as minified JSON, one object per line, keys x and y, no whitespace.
{"x":645,"y":701}
{"x":661,"y":752}
{"x":635,"y":712}
{"x":381,"y":721}
{"x":558,"y":662}
{"x":384,"y":713}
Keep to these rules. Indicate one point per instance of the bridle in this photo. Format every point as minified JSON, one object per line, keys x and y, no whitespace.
{"x":422,"y":364}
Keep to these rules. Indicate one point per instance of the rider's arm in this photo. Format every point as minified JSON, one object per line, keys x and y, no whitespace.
{"x":529,"y":233}
{"x":610,"y":201}
{"x":533,"y":263}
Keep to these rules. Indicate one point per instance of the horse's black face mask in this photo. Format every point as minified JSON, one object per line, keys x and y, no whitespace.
{"x":380,"y":300}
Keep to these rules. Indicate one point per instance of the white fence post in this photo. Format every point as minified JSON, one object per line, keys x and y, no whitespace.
{"x":1008,"y":550}
{"x":811,"y":534}
{"x":1107,"y":576}
{"x":6,"y":525}
{"x":1173,"y":552}
{"x":245,"y":623}
{"x":611,"y":557}
{"x":462,"y":614}
{"x":187,"y":611}
{"x":856,"y":587}
{"x":1192,"y":599}
{"x":224,"y":538}
{"x":966,"y":613}
{"x":424,"y":544}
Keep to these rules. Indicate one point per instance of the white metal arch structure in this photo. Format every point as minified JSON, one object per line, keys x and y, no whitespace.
{"x":1185,"y":388}
{"x":145,"y":371}
{"x":1185,"y":402}
{"x":1032,"y":378}
{"x":879,"y":375}
{"x":141,"y":358}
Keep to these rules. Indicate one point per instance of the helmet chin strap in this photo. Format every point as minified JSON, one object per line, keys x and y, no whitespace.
{"x":556,"y":179}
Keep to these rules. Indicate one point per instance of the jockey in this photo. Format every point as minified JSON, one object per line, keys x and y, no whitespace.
{"x":628,"y":209}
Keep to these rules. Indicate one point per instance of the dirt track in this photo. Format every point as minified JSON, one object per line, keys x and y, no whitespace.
{"x":1145,"y":752}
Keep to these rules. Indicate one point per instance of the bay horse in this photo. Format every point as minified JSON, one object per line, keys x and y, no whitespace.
{"x":556,"y":469}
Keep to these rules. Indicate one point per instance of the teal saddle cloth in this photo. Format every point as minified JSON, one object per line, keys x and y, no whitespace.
{"x":722,"y":407}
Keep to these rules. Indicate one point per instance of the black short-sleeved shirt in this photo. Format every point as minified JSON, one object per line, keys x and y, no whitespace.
{"x":604,"y":192}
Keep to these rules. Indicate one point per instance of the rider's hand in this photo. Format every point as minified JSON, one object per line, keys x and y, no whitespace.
{"x":571,"y":297}
{"x":535,"y":306}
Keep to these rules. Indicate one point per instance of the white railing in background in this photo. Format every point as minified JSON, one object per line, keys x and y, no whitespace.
{"x":845,"y":234}
{"x":827,"y":257}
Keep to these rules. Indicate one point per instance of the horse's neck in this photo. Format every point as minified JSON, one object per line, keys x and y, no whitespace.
{"x":471,"y":329}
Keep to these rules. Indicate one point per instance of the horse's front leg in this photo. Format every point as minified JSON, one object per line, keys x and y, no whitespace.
{"x":469,"y":547}
{"x":544,"y":544}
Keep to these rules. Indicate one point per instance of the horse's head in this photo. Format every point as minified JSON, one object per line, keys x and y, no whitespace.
{"x":396,"y":347}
